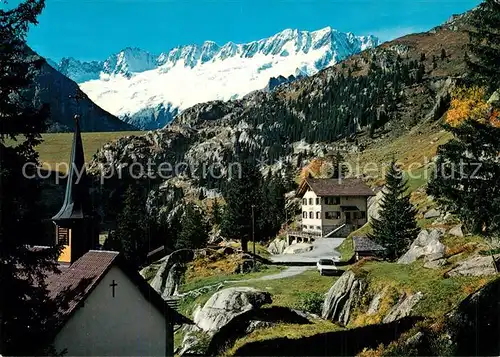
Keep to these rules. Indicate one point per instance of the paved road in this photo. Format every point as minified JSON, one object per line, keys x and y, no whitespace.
{"x":322,"y":248}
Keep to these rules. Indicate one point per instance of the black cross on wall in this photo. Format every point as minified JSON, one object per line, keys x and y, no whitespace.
{"x":113,"y":285}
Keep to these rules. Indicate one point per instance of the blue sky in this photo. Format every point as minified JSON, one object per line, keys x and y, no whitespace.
{"x":94,"y":29}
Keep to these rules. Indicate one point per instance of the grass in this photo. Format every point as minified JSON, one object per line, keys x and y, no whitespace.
{"x":440,"y":294}
{"x":292,"y":331}
{"x":56,"y":147}
{"x":194,"y":282}
{"x":259,"y":248}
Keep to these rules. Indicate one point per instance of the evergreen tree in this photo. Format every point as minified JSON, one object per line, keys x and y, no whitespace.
{"x":443,"y":54}
{"x":194,"y":232}
{"x":466,"y":180}
{"x":216,"y":212}
{"x":132,"y":233}
{"x":484,"y":59}
{"x":26,"y":312}
{"x":396,"y":228}
{"x":241,"y":194}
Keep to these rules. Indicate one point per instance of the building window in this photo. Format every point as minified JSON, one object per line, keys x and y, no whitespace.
{"x":318,"y":228}
{"x":318,"y":215}
{"x":332,"y":201}
{"x":304,"y":201}
{"x":311,"y":216}
{"x":310,"y":201}
{"x":332,"y":215}
{"x":304,"y":215}
{"x":318,"y":201}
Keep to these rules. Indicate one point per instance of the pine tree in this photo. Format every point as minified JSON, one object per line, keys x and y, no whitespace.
{"x":216,"y":212}
{"x":194,"y":231}
{"x":484,"y":47}
{"x":396,"y":228}
{"x":26,"y":312}
{"x":131,"y":237}
{"x":466,"y":180}
{"x":241,"y":194}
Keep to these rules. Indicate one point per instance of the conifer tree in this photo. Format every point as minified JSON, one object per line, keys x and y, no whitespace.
{"x":466,"y":180}
{"x":484,"y":57}
{"x":216,"y":212}
{"x":194,"y":231}
{"x":132,"y":233}
{"x":26,"y":312}
{"x":396,"y":228}
{"x":242,"y":192}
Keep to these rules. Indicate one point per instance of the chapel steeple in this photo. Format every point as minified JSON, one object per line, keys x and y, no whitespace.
{"x":76,"y":228}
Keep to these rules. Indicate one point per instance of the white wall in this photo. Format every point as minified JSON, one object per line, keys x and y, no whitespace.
{"x":126,"y":325}
{"x":314,"y":222}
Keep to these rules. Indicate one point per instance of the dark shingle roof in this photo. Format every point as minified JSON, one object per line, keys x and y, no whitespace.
{"x":364,"y":244}
{"x":76,"y":281}
{"x":339,"y":187}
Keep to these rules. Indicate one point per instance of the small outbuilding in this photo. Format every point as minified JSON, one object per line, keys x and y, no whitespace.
{"x":365,"y":247}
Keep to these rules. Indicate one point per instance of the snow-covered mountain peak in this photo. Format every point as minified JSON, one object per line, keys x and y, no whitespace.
{"x":147,"y":89}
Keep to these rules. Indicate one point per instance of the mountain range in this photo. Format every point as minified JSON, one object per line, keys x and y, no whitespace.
{"x":148,"y":90}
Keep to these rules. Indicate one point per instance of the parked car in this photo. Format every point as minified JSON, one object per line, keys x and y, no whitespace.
{"x":325,"y":266}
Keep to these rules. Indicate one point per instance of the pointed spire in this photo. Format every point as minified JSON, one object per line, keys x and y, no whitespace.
{"x":76,"y":199}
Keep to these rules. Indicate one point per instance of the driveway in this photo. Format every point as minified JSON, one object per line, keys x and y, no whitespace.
{"x":323,"y":248}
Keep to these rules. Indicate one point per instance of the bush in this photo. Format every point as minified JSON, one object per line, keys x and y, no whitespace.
{"x":311,"y":302}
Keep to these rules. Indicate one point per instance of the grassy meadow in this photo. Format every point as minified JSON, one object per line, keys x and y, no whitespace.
{"x":56,"y":147}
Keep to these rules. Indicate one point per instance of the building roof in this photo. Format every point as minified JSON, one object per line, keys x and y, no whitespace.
{"x":337,"y":187}
{"x":364,"y":244}
{"x":75,"y":282}
{"x":76,"y":199}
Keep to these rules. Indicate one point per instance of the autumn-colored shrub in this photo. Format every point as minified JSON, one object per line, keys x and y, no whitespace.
{"x":471,"y":103}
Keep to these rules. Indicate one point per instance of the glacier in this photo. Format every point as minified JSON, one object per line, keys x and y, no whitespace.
{"x":148,"y":90}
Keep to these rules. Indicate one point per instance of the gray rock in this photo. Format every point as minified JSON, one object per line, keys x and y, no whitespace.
{"x":341,"y":297}
{"x":375,"y":303}
{"x":475,"y":266}
{"x":456,"y":231}
{"x":277,"y":246}
{"x":226,"y":304}
{"x":434,"y":261}
{"x":168,"y":276}
{"x":298,"y":248}
{"x":426,"y":244}
{"x":195,"y":341}
{"x":403,"y":308}
{"x":432,"y":213}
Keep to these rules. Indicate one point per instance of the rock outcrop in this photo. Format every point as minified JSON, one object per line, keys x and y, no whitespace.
{"x":342,"y":297}
{"x":427,"y":244}
{"x":374,"y":205}
{"x":475,"y":266}
{"x":298,"y":248}
{"x":172,"y":267}
{"x":277,"y":246}
{"x":403,"y":308}
{"x":432,"y":213}
{"x":226,"y":304}
{"x":456,"y":231}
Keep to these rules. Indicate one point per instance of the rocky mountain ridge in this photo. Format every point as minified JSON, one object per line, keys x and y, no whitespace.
{"x":149,"y":90}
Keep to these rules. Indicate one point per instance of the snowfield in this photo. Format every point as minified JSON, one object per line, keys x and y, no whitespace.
{"x":148,"y":90}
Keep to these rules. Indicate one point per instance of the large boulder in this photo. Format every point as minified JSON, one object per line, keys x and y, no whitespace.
{"x":298,"y":248}
{"x":403,"y":308}
{"x":426,"y":244}
{"x":432,"y":213}
{"x":456,"y":231}
{"x":172,"y":268}
{"x":224,"y":305}
{"x":342,"y":297}
{"x":277,"y":246}
{"x":475,"y":266}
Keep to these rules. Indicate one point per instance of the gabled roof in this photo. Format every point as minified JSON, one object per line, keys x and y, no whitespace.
{"x":364,"y":244}
{"x":76,"y":282}
{"x":336,"y":187}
